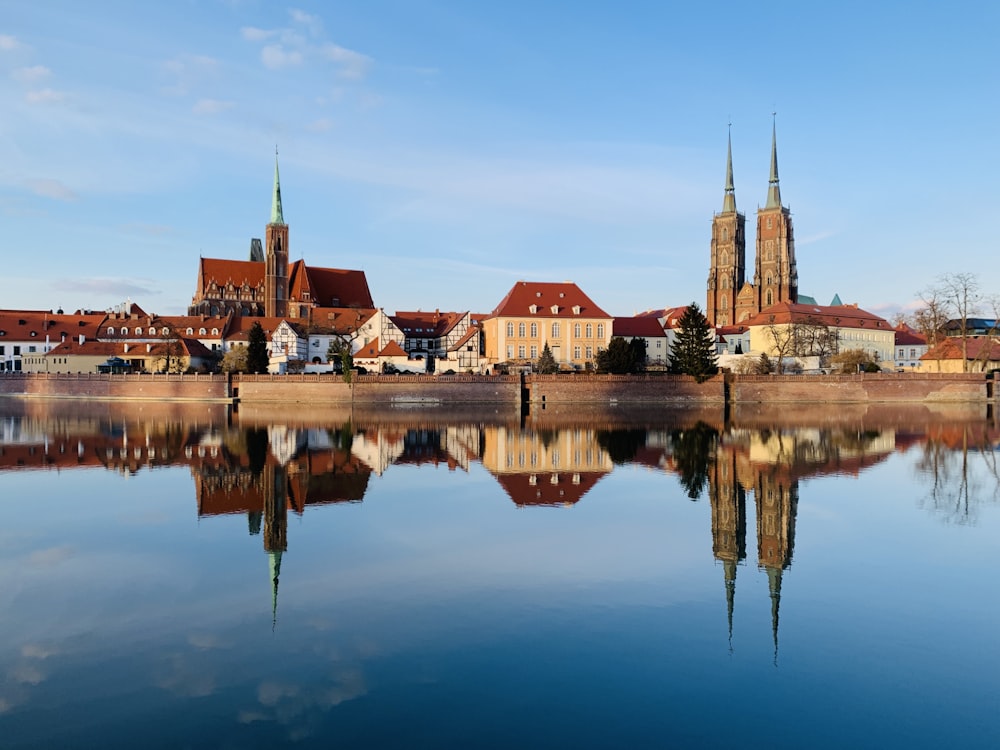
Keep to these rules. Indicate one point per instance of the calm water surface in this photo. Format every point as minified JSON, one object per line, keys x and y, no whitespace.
{"x":186,"y":577}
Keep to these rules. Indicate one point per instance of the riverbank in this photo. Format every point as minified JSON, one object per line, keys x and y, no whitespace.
{"x":507,"y":391}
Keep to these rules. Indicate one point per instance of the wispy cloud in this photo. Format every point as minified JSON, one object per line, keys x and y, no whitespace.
{"x":110,"y":286}
{"x":9,"y":43}
{"x":189,"y":72}
{"x":44,"y":96}
{"x":352,"y":64}
{"x":811,"y":238}
{"x":30,"y":74}
{"x":321,"y":125}
{"x":287,"y":47}
{"x":275,"y":57}
{"x":212,"y":106}
{"x":49,"y":188}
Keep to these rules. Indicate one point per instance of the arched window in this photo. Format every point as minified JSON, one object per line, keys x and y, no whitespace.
{"x":723,"y":258}
{"x":725,"y":233}
{"x":520,"y":330}
{"x":590,"y":331}
{"x":724,"y":301}
{"x":534,"y":330}
{"x":770,"y":298}
{"x":576,"y":331}
{"x":555,"y":330}
{"x":202,"y":331}
{"x":125,"y":331}
{"x":190,"y":331}
{"x":165,"y":331}
{"x":152,"y":331}
{"x":510,"y":329}
{"x":111,"y":329}
{"x":215,"y":331}
{"x":600,"y":330}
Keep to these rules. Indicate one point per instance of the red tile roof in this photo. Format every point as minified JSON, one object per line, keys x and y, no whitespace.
{"x":392,"y":349}
{"x":908,"y":337}
{"x":333,"y":287}
{"x":984,"y":349}
{"x":562,"y":296}
{"x":427,"y":323}
{"x":843,"y":316}
{"x":25,"y":325}
{"x":646,"y":327}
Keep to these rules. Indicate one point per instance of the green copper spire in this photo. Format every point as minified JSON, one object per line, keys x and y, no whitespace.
{"x":729,"y":201}
{"x":729,"y":571}
{"x":774,"y":585}
{"x":276,"y":215}
{"x":773,"y":192}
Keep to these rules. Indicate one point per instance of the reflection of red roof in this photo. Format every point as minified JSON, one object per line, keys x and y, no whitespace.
{"x":563,"y":297}
{"x":547,"y":488}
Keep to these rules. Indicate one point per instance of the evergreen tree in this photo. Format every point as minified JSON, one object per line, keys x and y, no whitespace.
{"x":546,"y":363}
{"x":256,"y":350}
{"x":693,"y":351}
{"x":619,"y":358}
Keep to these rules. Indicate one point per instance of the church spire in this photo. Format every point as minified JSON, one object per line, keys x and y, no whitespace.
{"x":729,"y":571}
{"x":275,"y":565}
{"x":773,"y":191}
{"x":774,"y":586}
{"x":276,"y":215}
{"x":729,"y":201}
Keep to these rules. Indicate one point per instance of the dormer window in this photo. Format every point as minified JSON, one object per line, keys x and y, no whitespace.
{"x":138,"y":331}
{"x":34,"y":333}
{"x":165,"y":331}
{"x":152,"y":331}
{"x":533,"y":309}
{"x":538,"y":294}
{"x":111,"y":330}
{"x":190,"y":331}
{"x":576,"y":309}
{"x":555,"y":309}
{"x":125,"y":331}
{"x":202,"y":331}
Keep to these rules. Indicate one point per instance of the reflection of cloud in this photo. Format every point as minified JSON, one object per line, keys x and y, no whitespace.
{"x":4,"y":706}
{"x":51,"y":556}
{"x":270,"y":693}
{"x":187,"y":680}
{"x":118,"y":286}
{"x":27,"y":674}
{"x":48,"y":188}
{"x":34,"y":651}
{"x":205,"y":641}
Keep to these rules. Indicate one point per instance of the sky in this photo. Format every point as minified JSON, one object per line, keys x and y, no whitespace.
{"x":451,"y":148}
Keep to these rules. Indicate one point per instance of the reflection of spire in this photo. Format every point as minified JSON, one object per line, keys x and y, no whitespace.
{"x":774,"y":585}
{"x":275,"y":561}
{"x":729,"y":570}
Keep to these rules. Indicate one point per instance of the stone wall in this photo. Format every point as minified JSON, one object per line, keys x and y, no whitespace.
{"x":83,"y":386}
{"x":383,"y":390}
{"x":661,"y":390}
{"x":862,"y":388}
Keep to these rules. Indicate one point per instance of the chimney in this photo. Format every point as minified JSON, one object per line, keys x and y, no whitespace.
{"x":82,"y":339}
{"x":149,"y":348}
{"x":126,"y":349}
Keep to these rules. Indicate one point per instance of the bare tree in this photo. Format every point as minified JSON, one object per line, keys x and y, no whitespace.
{"x":782,"y":341}
{"x":931,"y":318}
{"x":814,"y":338}
{"x":961,"y":290}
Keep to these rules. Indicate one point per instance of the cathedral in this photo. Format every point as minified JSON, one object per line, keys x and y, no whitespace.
{"x":267,"y":285}
{"x":731,"y":298}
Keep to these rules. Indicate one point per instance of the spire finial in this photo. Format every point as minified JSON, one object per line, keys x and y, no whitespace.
{"x":773,"y":191}
{"x":729,"y":199}
{"x":276,"y":214}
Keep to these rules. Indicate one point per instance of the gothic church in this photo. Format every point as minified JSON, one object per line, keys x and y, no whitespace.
{"x":731,"y":299}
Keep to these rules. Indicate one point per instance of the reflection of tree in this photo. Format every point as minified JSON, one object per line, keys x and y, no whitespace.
{"x":692,"y":450}
{"x":256,"y":442}
{"x":621,"y":445}
{"x":950,"y":464}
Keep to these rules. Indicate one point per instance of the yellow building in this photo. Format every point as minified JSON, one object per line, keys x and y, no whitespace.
{"x":790,"y":330}
{"x":534,"y":314}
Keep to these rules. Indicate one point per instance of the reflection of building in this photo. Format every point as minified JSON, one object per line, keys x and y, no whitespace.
{"x":544,"y":467}
{"x":729,"y":523}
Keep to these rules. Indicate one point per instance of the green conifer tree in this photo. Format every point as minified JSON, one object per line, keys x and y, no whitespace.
{"x":693,"y":351}
{"x":257,"y":358}
{"x":546,"y":363}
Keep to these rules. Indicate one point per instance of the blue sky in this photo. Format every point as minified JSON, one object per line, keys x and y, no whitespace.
{"x":451,"y":148}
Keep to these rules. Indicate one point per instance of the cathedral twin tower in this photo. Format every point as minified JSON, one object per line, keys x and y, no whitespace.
{"x":731,"y":299}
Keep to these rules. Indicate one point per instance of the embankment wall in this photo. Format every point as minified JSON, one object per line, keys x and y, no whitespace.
{"x":623,"y":389}
{"x":96,"y":386}
{"x":862,"y":388}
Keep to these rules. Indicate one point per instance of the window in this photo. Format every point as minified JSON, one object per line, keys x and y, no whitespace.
{"x":555,"y":309}
{"x":510,"y":329}
{"x":590,"y":352}
{"x":32,"y":349}
{"x":576,"y":309}
{"x":769,"y":225}
{"x":510,"y":351}
{"x":111,"y":330}
{"x":215,"y":331}
{"x":590,"y":331}
{"x":576,"y":352}
{"x":913,"y":353}
{"x":152,"y":331}
{"x":659,"y":344}
{"x":533,"y":309}
{"x":201,"y":331}
{"x":770,"y":298}
{"x":520,"y":352}
{"x":600,"y":330}
{"x":576,"y":330}
{"x":17,"y":351}
{"x":555,"y":330}
{"x":520,"y":330}
{"x":900,"y":355}
{"x":534,"y":352}
{"x":534,"y":330}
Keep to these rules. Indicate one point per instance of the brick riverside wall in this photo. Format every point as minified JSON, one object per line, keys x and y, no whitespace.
{"x":113,"y":387}
{"x":624,"y":389}
{"x":385,"y":390}
{"x":865,"y":387}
